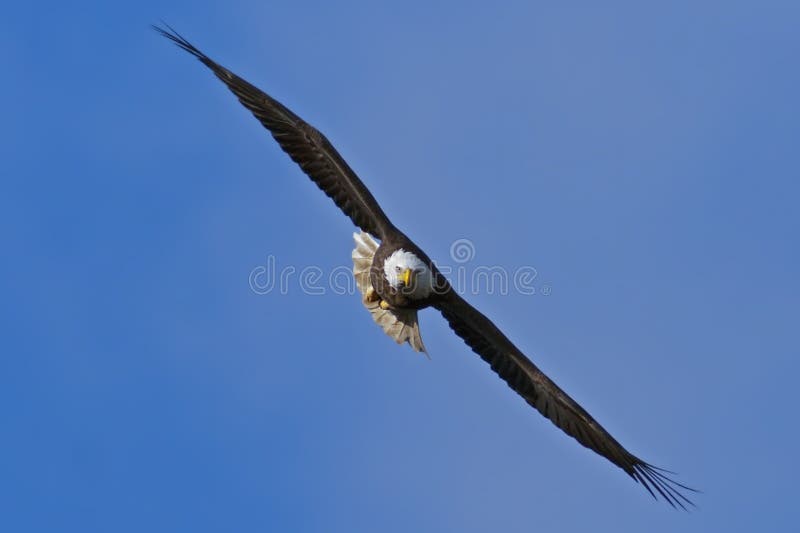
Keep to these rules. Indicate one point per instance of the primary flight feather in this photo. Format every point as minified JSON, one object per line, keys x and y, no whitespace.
{"x":397,"y":279}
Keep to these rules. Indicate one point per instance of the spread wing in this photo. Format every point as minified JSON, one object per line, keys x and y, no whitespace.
{"x":540,"y":392}
{"x":305,"y":145}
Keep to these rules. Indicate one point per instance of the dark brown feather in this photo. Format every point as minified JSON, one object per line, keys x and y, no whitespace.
{"x":305,"y":145}
{"x":485,"y":339}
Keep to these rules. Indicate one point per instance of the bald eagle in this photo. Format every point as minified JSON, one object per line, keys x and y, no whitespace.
{"x":397,"y":279}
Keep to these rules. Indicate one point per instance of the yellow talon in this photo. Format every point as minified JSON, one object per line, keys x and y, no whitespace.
{"x":385,"y":305}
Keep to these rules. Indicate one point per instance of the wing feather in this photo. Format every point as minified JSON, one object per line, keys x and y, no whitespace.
{"x":307,"y":147}
{"x":485,"y":339}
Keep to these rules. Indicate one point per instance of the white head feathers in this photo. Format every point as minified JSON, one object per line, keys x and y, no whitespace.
{"x":422,"y":277}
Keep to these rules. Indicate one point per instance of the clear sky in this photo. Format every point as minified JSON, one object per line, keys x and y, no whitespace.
{"x":642,"y":158}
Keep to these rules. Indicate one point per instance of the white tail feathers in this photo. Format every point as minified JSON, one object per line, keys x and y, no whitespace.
{"x":399,"y":324}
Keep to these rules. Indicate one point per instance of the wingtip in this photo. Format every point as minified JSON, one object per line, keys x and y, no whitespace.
{"x":658,"y":483}
{"x":165,"y":30}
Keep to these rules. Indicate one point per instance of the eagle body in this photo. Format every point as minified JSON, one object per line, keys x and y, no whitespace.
{"x":399,"y":323}
{"x":392,"y":258}
{"x":397,"y":279}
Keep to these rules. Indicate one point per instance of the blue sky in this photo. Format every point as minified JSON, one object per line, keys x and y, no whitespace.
{"x":642,"y":158}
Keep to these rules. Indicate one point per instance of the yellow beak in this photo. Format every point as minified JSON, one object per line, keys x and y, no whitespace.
{"x":407,"y":277}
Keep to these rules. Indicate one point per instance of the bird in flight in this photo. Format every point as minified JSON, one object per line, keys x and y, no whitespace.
{"x":397,"y":279}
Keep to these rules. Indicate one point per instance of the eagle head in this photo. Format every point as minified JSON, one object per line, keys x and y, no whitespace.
{"x":409,"y":274}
